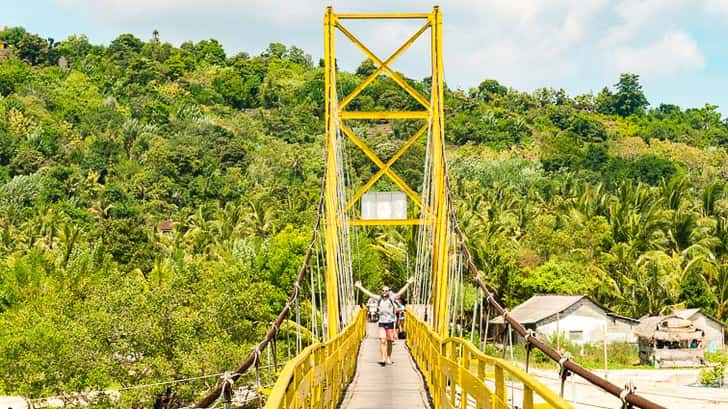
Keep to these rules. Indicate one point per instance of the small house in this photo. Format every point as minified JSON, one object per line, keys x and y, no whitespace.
{"x":166,"y":227}
{"x":670,"y":341}
{"x":63,"y":63}
{"x":4,"y":49}
{"x":13,"y":402}
{"x":578,"y":319}
{"x":714,"y":328}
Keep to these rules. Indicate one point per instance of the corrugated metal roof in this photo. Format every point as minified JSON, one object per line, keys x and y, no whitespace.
{"x":686,"y":314}
{"x":540,"y":307}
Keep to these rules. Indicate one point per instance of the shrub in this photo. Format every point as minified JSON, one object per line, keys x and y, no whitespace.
{"x":713,"y":376}
{"x":651,"y":169}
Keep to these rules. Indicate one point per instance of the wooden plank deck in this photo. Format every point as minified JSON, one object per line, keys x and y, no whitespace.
{"x":391,"y":387}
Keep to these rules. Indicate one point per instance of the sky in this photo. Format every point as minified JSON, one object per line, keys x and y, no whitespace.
{"x":678,"y":47}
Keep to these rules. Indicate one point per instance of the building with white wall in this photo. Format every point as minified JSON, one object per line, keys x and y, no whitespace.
{"x":714,"y":329}
{"x":577,"y":318}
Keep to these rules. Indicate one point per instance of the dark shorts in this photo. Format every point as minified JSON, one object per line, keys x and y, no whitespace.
{"x":386,"y":331}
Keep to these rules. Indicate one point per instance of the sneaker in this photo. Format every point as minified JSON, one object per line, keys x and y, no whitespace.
{"x":381,"y":363}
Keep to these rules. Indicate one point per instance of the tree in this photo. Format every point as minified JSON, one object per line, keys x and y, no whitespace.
{"x":276,"y":50}
{"x":596,"y":156}
{"x":125,"y":45}
{"x":629,"y":98}
{"x":490,"y":89}
{"x":142,"y":70}
{"x":179,"y":63}
{"x":604,"y":102}
{"x":651,"y":169}
{"x":75,"y":48}
{"x":13,"y":35}
{"x":585,"y":102}
{"x":553,"y":278}
{"x":298,"y":56}
{"x":210,"y":51}
{"x":132,"y":130}
{"x":366,"y":68}
{"x":36,"y":50}
{"x":94,"y":159}
{"x":13,"y":74}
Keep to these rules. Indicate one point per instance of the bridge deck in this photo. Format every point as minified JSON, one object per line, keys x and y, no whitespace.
{"x":392,"y":387}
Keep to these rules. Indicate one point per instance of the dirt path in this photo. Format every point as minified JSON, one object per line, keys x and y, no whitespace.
{"x":668,"y":387}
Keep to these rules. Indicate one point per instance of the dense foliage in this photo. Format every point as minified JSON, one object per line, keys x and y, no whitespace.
{"x":596,"y":194}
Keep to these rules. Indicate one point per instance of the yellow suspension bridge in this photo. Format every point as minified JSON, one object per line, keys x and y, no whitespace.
{"x":335,"y":362}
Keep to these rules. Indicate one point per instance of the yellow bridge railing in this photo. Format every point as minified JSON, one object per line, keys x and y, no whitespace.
{"x":457,"y":371}
{"x":316,"y":377}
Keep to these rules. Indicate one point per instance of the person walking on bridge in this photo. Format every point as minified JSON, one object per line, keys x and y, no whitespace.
{"x":387,"y":317}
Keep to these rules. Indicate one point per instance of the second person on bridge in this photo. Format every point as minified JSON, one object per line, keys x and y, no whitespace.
{"x":387,"y":317}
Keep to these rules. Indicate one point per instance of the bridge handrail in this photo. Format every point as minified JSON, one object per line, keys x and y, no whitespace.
{"x":468,"y":352}
{"x":316,"y":377}
{"x":447,"y":364}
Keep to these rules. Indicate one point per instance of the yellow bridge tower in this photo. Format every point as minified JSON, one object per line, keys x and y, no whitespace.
{"x":435,"y":210}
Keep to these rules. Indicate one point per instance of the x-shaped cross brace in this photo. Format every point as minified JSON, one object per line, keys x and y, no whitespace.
{"x":383,"y":66}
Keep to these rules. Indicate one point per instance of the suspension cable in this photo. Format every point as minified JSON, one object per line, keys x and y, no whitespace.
{"x":252,"y":358}
{"x":569,"y":365}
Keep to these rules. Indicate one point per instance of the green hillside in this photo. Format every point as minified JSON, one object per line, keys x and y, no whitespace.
{"x":602,"y":194}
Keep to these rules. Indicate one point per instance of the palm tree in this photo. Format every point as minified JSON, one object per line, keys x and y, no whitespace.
{"x":49,"y":221}
{"x":260,"y":221}
{"x":684,"y":229}
{"x":133,"y":129}
{"x":199,"y":235}
{"x":68,"y":237}
{"x":713,"y":192}
{"x":721,"y":291}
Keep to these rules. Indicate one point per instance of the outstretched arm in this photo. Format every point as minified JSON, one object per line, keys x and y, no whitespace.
{"x":403,"y":289}
{"x":365,"y":291}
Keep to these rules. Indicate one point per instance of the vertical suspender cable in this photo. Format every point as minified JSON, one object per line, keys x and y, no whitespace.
{"x":252,"y":358}
{"x":476,"y":306}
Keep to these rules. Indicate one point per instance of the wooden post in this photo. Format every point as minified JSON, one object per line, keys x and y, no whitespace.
{"x":605,"y":349}
{"x":558,"y":332}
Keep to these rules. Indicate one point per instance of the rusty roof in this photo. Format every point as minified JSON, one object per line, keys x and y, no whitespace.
{"x":668,"y":328}
{"x":166,"y":225}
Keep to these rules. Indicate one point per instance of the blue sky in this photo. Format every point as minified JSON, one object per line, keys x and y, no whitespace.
{"x":678,"y":47}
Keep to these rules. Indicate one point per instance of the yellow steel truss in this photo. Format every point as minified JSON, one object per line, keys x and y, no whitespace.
{"x":385,"y":169}
{"x":439,"y":184}
{"x":432,"y":112}
{"x":331,"y":196}
{"x":457,"y":373}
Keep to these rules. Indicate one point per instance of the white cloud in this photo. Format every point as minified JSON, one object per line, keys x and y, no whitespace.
{"x":522,"y":43}
{"x":637,"y":19}
{"x":280,"y":12}
{"x":664,"y":58}
{"x":717,"y":7}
